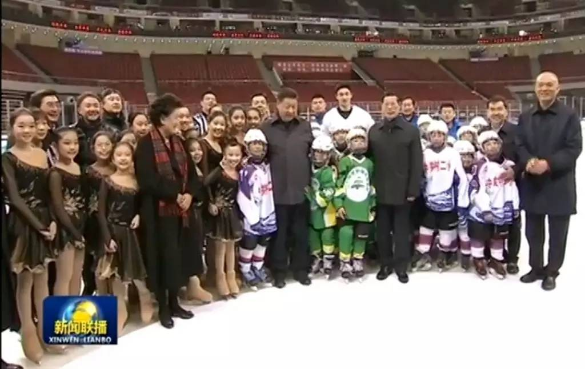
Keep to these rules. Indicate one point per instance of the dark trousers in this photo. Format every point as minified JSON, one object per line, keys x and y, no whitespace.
{"x":88,"y":275}
{"x":514,"y":240}
{"x":293,"y":231}
{"x":395,"y":219}
{"x":558,"y":228}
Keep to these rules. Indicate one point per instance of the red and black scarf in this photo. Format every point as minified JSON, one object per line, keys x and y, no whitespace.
{"x":165,"y":169}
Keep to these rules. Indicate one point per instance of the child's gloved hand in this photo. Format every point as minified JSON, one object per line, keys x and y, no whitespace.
{"x":341,"y":213}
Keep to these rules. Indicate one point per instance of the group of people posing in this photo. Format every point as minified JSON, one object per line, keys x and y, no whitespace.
{"x":164,"y":200}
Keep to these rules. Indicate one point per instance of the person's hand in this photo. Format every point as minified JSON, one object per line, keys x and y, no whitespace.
{"x":135,"y":222}
{"x":341,"y":213}
{"x":186,"y":203}
{"x":530,"y":165}
{"x":179,"y":199}
{"x":53,"y":230}
{"x":539,"y":167}
{"x":111,"y":247}
{"x":410,"y":198}
{"x":47,"y":234}
{"x":213,"y":210}
{"x":507,"y":175}
{"x":307,"y":190}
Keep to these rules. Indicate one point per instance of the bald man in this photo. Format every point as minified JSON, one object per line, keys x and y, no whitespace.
{"x":549,"y":142}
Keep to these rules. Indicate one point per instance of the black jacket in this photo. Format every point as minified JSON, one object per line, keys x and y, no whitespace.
{"x":289,"y":146}
{"x":507,"y":134}
{"x":395,"y":148}
{"x":114,"y":122}
{"x":555,"y":136}
{"x":86,"y":130}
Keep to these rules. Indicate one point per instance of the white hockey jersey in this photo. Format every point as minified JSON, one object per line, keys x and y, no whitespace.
{"x":490,"y":194}
{"x":358,"y":118}
{"x":256,"y":200}
{"x":445,"y":186}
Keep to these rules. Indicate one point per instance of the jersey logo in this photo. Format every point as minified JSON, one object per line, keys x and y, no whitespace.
{"x":357,"y":184}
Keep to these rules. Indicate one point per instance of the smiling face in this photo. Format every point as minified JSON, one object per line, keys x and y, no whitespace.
{"x":42,"y":129}
{"x":217,"y":127}
{"x":259,"y":102}
{"x":196,"y":152}
{"x":68,"y":145}
{"x":90,"y":108}
{"x":407,"y":107}
{"x":467,"y":160}
{"x":257,"y":149}
{"x":238,"y":120}
{"x":497,"y":114}
{"x":232,"y":155}
{"x":207,"y":102}
{"x":113,"y":103}
{"x":51,"y":106}
{"x":140,"y":125}
{"x":547,"y":88}
{"x":253,"y":119}
{"x":102,"y":147}
{"x":24,"y":129}
{"x":185,"y":119}
{"x":492,"y":148}
{"x":122,"y":158}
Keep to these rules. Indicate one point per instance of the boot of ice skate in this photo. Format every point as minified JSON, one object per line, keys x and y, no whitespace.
{"x":480,"y":268}
{"x":196,"y":292}
{"x":358,"y":268}
{"x":497,"y":268}
{"x":346,"y":270}
{"x":421,"y":262}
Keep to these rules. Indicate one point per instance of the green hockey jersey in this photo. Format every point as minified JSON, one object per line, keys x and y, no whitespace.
{"x":321,"y":196}
{"x":355,"y":192}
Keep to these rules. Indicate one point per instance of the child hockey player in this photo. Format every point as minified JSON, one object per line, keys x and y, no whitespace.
{"x":423,"y":124}
{"x":355,"y":201}
{"x":256,"y":203}
{"x":494,"y":206}
{"x":338,"y":132}
{"x":467,"y":152}
{"x":320,"y":195}
{"x":467,"y":133}
{"x":480,"y":124}
{"x":445,"y":192}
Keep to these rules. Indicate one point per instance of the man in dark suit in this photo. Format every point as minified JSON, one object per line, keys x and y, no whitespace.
{"x":549,"y":142}
{"x":497,"y":116}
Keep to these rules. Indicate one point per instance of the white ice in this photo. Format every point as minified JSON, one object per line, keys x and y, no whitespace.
{"x":452,"y":320}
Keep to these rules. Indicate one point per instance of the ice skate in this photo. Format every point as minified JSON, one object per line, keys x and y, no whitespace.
{"x":497,"y":269}
{"x":465,"y":262}
{"x":480,"y":268}
{"x":358,"y":269}
{"x":316,"y":266}
{"x":251,"y":280}
{"x":421,"y":262}
{"x":260,"y":274}
{"x":328,"y":267}
{"x":346,"y":271}
{"x":442,"y":261}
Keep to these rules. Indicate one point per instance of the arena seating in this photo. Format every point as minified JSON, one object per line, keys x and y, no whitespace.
{"x":492,"y":76}
{"x":361,"y":92}
{"x":179,"y":67}
{"x":568,"y":66}
{"x":230,"y":92}
{"x":421,"y":78}
{"x":14,"y":69}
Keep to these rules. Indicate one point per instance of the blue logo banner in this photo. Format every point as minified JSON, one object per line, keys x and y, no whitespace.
{"x":80,"y":320}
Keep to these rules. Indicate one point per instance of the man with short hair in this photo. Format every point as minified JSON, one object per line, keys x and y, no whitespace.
{"x":318,"y":109}
{"x":352,"y":114}
{"x":208,"y":100}
{"x":409,"y":110}
{"x":260,"y":102}
{"x":289,"y":144}
{"x":50,"y":104}
{"x":497,"y":117}
{"x":549,"y":142}
{"x":395,"y":147}
{"x":449,"y":116}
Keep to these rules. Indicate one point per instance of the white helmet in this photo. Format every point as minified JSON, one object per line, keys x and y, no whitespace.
{"x":437,"y":126}
{"x":464,"y":147}
{"x":424,"y":118}
{"x":255,"y":135}
{"x":488,"y":136}
{"x":356,"y":132}
{"x":451,"y":140}
{"x":466,"y":129}
{"x":339,"y":125}
{"x":322,"y":143}
{"x":478,"y":122}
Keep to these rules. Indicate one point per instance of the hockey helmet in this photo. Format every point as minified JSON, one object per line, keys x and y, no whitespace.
{"x":488,"y":136}
{"x":255,"y":135}
{"x":464,"y":147}
{"x":466,"y":129}
{"x":478,"y":123}
{"x":424,"y":118}
{"x":322,"y":143}
{"x":437,"y":126}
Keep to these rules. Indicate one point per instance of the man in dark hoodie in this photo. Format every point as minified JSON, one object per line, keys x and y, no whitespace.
{"x":88,"y":124}
{"x":318,"y":110}
{"x":113,"y":110}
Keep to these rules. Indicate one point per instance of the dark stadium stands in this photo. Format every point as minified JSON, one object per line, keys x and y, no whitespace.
{"x":14,"y":69}
{"x":568,"y":66}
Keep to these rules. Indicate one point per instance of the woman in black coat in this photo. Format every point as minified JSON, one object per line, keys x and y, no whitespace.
{"x":169,"y":186}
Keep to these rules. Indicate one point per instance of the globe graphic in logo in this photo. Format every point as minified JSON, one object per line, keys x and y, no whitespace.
{"x":81,"y":311}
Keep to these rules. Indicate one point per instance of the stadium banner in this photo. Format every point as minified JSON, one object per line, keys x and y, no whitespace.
{"x":80,"y":320}
{"x":135,"y":11}
{"x":312,"y":67}
{"x":82,"y":50}
{"x":106,"y":9}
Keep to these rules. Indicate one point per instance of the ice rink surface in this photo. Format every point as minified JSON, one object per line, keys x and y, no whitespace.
{"x":450,"y":320}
